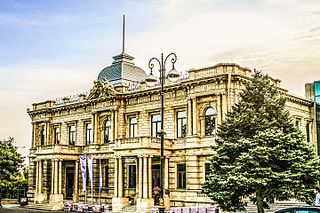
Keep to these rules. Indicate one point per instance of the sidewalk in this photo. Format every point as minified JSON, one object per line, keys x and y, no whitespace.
{"x":17,"y":208}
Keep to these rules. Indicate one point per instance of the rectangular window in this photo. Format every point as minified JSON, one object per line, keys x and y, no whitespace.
{"x":181,"y":124}
{"x":107,"y":131}
{"x":106,"y":176}
{"x":132,"y":176}
{"x":133,"y":127}
{"x":181,"y":176}
{"x":72,"y":135}
{"x":57,"y":135}
{"x":88,"y":133}
{"x":155,"y":125}
{"x":43,"y":136}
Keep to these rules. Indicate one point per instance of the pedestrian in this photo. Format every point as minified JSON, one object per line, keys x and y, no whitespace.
{"x":317,"y":203}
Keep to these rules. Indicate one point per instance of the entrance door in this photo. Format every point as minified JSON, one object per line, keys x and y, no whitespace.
{"x":156,"y":182}
{"x":69,"y":182}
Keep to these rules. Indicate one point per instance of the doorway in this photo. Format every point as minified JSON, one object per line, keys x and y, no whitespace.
{"x":155,"y":183}
{"x":69,"y":182}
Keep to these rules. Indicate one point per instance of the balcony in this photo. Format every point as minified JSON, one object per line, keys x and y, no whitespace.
{"x":58,"y":148}
{"x":142,"y":143}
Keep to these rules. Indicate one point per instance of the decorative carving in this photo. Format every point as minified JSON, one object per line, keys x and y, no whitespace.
{"x":101,"y":89}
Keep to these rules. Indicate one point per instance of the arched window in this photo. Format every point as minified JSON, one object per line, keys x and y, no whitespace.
{"x":210,"y":121}
{"x":57,"y":135}
{"x":133,"y":127}
{"x":107,"y":131}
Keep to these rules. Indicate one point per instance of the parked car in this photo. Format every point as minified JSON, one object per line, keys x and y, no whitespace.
{"x":306,"y":209}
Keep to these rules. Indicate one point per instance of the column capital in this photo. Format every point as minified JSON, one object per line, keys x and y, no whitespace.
{"x":117,"y":156}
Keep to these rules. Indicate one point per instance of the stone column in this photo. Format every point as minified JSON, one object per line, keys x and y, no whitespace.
{"x":47,"y":133}
{"x":224,"y":106}
{"x":189,"y":118}
{"x":40,"y":177}
{"x":219,"y":113}
{"x":52,"y":176}
{"x":55,"y":177}
{"x":32,"y":174}
{"x":145,"y":177}
{"x":95,"y":128}
{"x":60,"y":176}
{"x":140,"y":177}
{"x":149,"y":177}
{"x":37,"y":176}
{"x":76,"y":180}
{"x":120,"y":178}
{"x":33,"y":136}
{"x":115,"y":124}
{"x":115,"y":177}
{"x":194,"y":116}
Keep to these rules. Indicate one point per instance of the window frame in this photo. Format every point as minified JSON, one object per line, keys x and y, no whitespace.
{"x":88,"y":133}
{"x":155,"y":124}
{"x":105,"y":130}
{"x":133,"y":127}
{"x":210,"y":121}
{"x":206,"y":170}
{"x":182,"y":176}
{"x":72,"y":134}
{"x":182,"y":123}
{"x":132,"y":184}
{"x":57,"y":135}
{"x":42,"y":136}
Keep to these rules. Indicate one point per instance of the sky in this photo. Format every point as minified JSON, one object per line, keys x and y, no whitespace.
{"x":51,"y":49}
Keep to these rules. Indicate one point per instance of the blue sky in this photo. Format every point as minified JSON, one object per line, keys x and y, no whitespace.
{"x":54,"y":48}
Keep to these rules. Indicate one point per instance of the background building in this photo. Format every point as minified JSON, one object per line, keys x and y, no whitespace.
{"x":118,"y":122}
{"x":313,"y":93}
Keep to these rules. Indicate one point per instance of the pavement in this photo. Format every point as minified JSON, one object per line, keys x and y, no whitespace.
{"x":17,"y":208}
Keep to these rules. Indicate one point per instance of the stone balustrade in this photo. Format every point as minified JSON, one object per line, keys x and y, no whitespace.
{"x":141,"y":142}
{"x":59,"y":148}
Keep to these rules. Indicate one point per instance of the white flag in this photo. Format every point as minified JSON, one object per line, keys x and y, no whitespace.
{"x":90,"y":158}
{"x":83,"y":163}
{"x":100,"y":178}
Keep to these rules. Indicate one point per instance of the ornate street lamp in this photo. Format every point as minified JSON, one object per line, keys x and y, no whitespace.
{"x":151,"y":80}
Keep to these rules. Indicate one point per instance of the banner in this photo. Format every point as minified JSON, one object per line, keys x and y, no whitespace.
{"x":100,"y":178}
{"x":83,"y":167}
{"x":89,"y":158}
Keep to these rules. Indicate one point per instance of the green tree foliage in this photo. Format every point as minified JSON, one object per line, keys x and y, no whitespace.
{"x":11,"y":177}
{"x":260,"y":154}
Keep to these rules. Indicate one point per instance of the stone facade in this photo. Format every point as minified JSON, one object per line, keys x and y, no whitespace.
{"x":115,"y":124}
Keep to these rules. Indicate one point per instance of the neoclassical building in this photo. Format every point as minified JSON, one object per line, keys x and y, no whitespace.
{"x":118,"y":124}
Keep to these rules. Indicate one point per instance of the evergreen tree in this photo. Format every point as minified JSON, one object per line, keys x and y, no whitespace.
{"x":260,"y":154}
{"x":10,"y":161}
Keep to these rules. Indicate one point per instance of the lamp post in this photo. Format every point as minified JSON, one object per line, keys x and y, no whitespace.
{"x":151,"y":80}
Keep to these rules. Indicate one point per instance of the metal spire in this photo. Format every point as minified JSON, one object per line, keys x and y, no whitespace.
{"x":123,"y":31}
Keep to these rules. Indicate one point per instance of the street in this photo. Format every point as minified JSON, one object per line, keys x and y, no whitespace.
{"x":16,"y":208}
